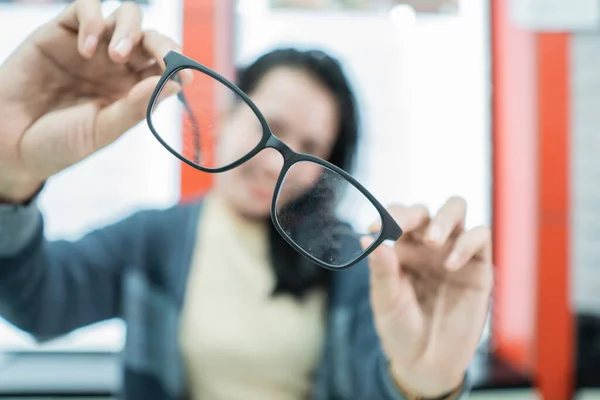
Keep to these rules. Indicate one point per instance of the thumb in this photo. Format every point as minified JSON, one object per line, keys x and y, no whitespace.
{"x":124,"y":114}
{"x":64,"y":137}
{"x":392,"y":295}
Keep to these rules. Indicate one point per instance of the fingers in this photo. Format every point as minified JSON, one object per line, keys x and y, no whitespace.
{"x":417,"y":224}
{"x":139,"y":60}
{"x":474,"y":243}
{"x":126,"y":27}
{"x":391,"y":294}
{"x":449,"y":219}
{"x":157,"y":46}
{"x":123,"y":29}
{"x":385,"y":277}
{"x":410,"y":218}
{"x":85,"y":18}
{"x":124,"y":114}
{"x":415,"y":221}
{"x":152,"y":70}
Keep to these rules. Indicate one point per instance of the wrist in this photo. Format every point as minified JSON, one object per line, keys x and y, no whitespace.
{"x":427,"y":389}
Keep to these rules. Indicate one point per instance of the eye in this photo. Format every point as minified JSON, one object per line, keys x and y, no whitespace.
{"x":277,"y":128}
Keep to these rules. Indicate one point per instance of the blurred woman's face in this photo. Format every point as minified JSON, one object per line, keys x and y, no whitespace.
{"x":303,"y":114}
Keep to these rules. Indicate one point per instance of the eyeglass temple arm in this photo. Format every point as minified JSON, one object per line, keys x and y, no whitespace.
{"x":195,"y":127}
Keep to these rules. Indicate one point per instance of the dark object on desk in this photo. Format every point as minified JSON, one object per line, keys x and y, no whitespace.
{"x":588,"y":351}
{"x":488,"y":372}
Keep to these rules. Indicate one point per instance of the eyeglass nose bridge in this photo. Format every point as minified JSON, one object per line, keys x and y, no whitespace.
{"x":275,"y":143}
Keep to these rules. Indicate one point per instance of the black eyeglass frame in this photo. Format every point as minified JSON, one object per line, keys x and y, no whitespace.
{"x":175,"y":62}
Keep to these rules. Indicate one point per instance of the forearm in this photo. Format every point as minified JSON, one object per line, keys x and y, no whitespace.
{"x":375,"y":380}
{"x":372,"y":373}
{"x":459,"y":391}
{"x":50,"y":288}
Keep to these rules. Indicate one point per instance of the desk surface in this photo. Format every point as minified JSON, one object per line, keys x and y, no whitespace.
{"x":60,"y":374}
{"x":99,"y":374}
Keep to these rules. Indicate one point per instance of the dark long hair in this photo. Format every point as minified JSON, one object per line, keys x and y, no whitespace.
{"x":294,"y":273}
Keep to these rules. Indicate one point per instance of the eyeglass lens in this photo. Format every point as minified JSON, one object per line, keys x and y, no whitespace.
{"x":314,"y":219}
{"x":228,"y":122}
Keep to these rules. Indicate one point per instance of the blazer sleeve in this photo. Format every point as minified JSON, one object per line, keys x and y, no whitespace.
{"x":49,"y":288}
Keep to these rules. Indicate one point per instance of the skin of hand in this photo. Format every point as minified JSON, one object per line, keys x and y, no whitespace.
{"x":74,"y":86}
{"x":430,"y":295}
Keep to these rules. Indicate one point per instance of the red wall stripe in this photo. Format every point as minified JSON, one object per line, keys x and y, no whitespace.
{"x":555,"y":352}
{"x":514,"y":136}
{"x":532,"y":325}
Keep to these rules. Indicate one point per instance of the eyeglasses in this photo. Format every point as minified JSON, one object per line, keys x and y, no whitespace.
{"x":309,"y":190}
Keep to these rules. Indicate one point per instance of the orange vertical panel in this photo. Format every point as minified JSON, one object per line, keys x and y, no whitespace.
{"x":514,"y":135}
{"x":555,"y":355}
{"x":208,"y":39}
{"x":532,"y":325}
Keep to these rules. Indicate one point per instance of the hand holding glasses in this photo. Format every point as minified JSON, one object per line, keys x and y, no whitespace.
{"x":314,"y":231}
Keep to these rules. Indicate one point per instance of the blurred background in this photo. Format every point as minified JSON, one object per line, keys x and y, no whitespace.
{"x":497,"y":101}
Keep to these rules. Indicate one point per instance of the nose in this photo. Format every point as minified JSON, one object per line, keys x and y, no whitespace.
{"x":271,"y":162}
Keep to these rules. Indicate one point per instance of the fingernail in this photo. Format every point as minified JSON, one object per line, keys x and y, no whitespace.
{"x":89,"y":44}
{"x":123,"y":47}
{"x":454,"y":261}
{"x":435,"y":234}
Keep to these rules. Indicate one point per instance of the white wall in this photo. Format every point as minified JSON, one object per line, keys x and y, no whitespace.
{"x":135,"y":172}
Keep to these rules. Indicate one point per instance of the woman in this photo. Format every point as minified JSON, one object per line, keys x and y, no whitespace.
{"x":217,"y":306}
